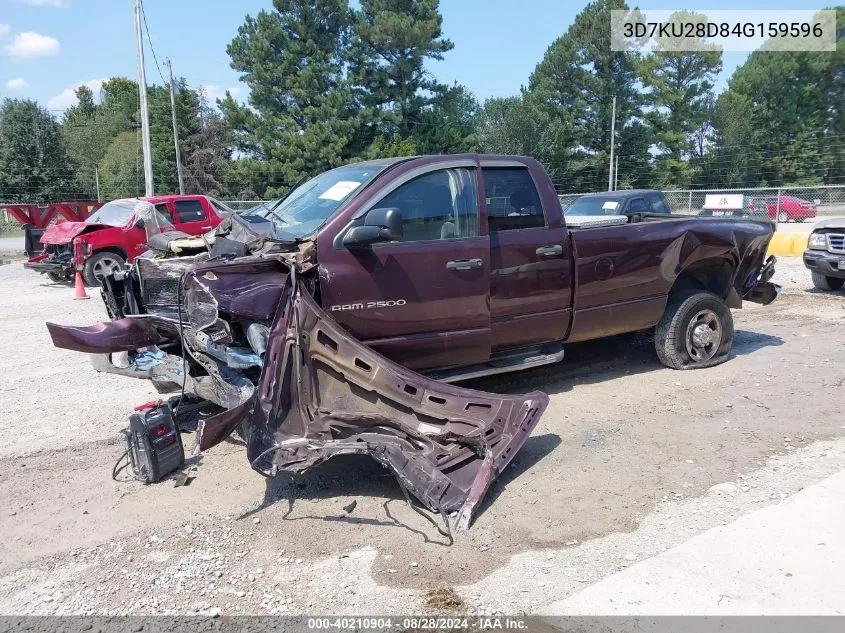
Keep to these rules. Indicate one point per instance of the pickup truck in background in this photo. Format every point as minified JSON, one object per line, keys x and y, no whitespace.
{"x":825,"y":254}
{"x":112,"y":236}
{"x":632,"y":203}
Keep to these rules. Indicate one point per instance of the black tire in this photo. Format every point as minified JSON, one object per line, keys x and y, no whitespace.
{"x":681,"y":344}
{"x":56,"y":277}
{"x":99,"y":264}
{"x":827,"y":283}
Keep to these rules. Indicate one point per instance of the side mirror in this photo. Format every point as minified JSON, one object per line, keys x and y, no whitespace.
{"x":139,"y":224}
{"x":380,"y":225}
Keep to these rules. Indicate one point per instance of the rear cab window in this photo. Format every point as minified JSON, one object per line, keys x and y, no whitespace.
{"x":637,"y":205}
{"x":189,"y":211}
{"x":513,"y":203}
{"x":658,"y":203}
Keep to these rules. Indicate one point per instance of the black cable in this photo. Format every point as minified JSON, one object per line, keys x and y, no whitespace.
{"x":115,"y":471}
{"x":152,"y":49}
{"x":447,"y":533}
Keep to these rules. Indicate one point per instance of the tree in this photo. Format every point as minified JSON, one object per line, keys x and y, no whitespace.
{"x":206,"y":153}
{"x":121,"y":174}
{"x":34,"y":166}
{"x":448,"y":125}
{"x":300,"y":116}
{"x":161,"y":131}
{"x":86,"y":132}
{"x":681,"y":90}
{"x":780,"y":122}
{"x":392,"y":41}
{"x":575,"y":84}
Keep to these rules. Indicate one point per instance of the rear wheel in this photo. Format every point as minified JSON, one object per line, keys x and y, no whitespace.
{"x":783,"y":216}
{"x":823,"y":282}
{"x":696,"y":331}
{"x":101,"y":265}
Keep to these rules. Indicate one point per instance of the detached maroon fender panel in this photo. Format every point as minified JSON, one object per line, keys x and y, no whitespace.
{"x":123,"y":335}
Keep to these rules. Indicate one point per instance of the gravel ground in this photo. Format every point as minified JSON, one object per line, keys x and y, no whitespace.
{"x":623,"y":465}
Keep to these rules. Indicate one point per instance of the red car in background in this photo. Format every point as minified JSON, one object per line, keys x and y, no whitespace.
{"x":113,"y":235}
{"x":790,"y":209}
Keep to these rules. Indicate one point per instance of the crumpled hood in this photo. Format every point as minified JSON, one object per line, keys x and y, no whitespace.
{"x":64,"y":232}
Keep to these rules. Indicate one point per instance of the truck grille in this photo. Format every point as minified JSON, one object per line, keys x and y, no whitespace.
{"x":836,"y":242}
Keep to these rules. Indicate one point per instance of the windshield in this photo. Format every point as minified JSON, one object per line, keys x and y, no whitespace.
{"x":115,"y":213}
{"x":595,"y":205}
{"x":309,"y":206}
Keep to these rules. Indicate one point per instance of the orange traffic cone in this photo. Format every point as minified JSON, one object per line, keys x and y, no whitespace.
{"x":79,"y":287}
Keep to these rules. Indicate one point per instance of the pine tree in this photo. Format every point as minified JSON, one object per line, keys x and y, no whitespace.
{"x":681,"y":91}
{"x":299,"y":117}
{"x":575,"y":84}
{"x":391,"y":43}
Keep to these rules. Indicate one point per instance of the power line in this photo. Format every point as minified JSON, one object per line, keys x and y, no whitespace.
{"x":152,"y":49}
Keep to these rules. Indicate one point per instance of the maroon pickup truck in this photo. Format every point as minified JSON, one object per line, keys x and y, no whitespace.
{"x":455,"y":266}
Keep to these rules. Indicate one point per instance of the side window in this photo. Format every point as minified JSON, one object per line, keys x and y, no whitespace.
{"x":189,"y":210}
{"x":162,"y":208}
{"x":658,"y":204}
{"x":441,"y":205}
{"x":637,"y":205}
{"x":512,"y":199}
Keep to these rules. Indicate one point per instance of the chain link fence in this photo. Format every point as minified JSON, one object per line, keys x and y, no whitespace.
{"x":780,"y":204}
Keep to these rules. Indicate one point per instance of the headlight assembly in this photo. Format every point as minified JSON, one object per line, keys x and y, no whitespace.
{"x":818,"y":241}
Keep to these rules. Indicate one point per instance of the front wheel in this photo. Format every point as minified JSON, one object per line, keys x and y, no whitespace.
{"x":823,"y":282}
{"x":695,"y":331}
{"x":783,"y":217}
{"x":101,"y":265}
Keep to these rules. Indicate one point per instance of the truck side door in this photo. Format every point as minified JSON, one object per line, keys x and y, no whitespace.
{"x":422,"y":301}
{"x":530,"y":270}
{"x":191,"y":217}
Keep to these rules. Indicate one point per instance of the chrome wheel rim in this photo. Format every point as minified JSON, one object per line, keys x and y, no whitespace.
{"x":704,"y":335}
{"x":106,"y":266}
{"x":783,"y":217}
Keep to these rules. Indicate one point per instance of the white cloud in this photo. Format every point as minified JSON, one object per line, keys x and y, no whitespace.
{"x":45,"y":3}
{"x":67,"y":97}
{"x":29,"y":44}
{"x":4,"y":29}
{"x":16,"y":84}
{"x":213,"y":93}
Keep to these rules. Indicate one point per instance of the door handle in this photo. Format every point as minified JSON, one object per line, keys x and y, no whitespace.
{"x":464,"y":264}
{"x":549,"y":251}
{"x":207,"y":228}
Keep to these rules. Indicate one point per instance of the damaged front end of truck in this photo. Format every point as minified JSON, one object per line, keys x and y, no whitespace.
{"x":247,"y":336}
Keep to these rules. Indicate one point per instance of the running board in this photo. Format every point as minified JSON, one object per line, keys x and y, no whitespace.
{"x":513,"y":360}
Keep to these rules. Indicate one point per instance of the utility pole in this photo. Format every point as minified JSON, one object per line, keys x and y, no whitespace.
{"x":616,"y":174}
{"x":612,"y":140}
{"x":175,"y":129}
{"x":97,"y":180}
{"x":145,"y":113}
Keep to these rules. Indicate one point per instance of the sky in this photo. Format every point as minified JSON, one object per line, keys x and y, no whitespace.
{"x":49,"y":47}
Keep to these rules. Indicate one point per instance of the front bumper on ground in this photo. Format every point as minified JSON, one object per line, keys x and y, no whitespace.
{"x":764,"y":291}
{"x":824,"y":263}
{"x":47,"y":266}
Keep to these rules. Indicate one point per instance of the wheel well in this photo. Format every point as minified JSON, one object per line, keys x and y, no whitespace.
{"x":111,"y":249}
{"x":712,"y":276}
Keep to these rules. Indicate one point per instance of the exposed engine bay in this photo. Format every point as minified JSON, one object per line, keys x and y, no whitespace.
{"x":236,"y":322}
